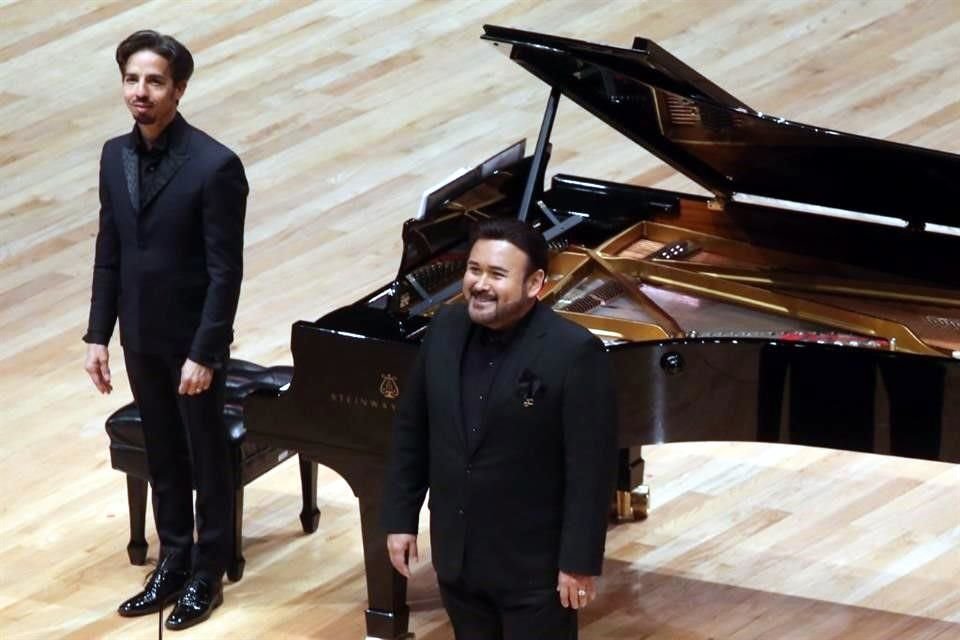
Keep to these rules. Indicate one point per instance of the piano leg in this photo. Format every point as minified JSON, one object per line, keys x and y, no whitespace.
{"x":388,"y":614}
{"x":137,"y":506}
{"x":632,"y":500}
{"x":237,"y":563}
{"x":310,"y":515}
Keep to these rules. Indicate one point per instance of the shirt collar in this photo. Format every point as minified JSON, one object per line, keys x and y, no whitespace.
{"x":503,"y":337}
{"x":159,"y":145}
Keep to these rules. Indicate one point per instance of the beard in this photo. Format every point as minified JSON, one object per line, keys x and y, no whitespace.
{"x":482,"y":310}
{"x":488,"y":311}
{"x":145,"y":117}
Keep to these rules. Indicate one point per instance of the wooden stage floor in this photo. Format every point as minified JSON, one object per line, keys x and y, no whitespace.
{"x":343,"y":112}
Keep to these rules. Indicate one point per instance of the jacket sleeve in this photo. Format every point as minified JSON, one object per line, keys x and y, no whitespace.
{"x":224,"y":209}
{"x":589,"y":443}
{"x":106,"y":270}
{"x":408,"y":473}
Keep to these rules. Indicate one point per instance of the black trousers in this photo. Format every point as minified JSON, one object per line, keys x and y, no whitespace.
{"x":514,"y":614}
{"x":187,"y":447}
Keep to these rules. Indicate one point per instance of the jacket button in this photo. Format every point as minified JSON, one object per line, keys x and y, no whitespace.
{"x":459,"y":512}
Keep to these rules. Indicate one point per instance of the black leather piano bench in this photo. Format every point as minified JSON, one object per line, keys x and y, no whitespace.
{"x":250,"y":459}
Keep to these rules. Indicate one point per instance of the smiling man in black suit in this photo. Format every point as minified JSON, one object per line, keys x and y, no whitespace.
{"x":508,"y":418}
{"x":169,"y":261}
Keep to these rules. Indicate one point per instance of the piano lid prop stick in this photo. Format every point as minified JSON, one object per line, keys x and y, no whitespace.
{"x":539,"y":160}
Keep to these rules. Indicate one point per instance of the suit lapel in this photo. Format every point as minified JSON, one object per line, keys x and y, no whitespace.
{"x":168,"y":167}
{"x":453,"y":356}
{"x":131,"y":171}
{"x":178,"y":137}
{"x":520,"y":355}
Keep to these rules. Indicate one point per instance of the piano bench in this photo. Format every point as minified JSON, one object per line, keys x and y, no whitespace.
{"x":250,"y":460}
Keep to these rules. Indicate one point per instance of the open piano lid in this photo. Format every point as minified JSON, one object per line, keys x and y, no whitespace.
{"x":733,"y":151}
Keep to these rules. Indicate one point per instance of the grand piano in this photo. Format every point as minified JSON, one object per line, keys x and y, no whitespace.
{"x":811,"y":300}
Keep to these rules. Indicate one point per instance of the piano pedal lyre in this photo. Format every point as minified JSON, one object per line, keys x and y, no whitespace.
{"x":630,"y":504}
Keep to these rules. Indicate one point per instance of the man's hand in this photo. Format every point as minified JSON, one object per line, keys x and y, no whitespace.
{"x":194,"y":378}
{"x":402,"y":548}
{"x":572,"y":585}
{"x":98,"y":368}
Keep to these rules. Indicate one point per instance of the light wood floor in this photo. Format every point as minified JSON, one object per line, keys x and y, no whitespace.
{"x":343,"y":112}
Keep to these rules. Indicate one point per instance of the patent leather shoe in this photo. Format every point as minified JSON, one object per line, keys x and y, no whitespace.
{"x":163,"y":586}
{"x":200,"y":597}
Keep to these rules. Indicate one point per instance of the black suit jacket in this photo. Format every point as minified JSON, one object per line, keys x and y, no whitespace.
{"x":533,"y":495}
{"x":171,"y":268}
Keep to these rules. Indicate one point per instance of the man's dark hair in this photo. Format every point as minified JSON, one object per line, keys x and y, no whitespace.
{"x":179,"y":57}
{"x":519,"y":234}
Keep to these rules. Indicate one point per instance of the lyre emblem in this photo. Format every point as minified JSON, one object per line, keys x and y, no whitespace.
{"x":388,"y":386}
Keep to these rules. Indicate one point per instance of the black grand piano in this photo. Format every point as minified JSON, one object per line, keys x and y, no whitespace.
{"x":812,"y":300}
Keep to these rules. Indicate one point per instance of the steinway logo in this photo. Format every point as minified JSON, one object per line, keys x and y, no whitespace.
{"x":389,"y":391}
{"x":388,"y":386}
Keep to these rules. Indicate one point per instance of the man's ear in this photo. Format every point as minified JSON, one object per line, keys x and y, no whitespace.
{"x":178,"y":91}
{"x":535,"y":282}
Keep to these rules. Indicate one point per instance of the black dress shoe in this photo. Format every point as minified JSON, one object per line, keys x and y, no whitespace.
{"x":163,"y":586}
{"x":199,"y":598}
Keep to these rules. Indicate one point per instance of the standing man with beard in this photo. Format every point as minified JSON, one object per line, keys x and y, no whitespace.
{"x":508,"y":418}
{"x":169,"y":261}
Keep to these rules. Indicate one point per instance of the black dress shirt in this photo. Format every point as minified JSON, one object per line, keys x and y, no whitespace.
{"x":149,"y":159}
{"x":485,"y":351}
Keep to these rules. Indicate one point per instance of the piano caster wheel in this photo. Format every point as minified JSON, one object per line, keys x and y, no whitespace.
{"x":631,"y":506}
{"x":640,"y":502}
